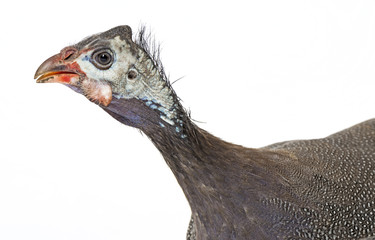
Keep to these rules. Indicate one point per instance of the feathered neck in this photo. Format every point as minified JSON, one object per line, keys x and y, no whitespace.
{"x":209,"y":170}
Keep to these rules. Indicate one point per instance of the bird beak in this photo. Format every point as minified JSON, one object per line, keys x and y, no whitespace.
{"x":55,"y":69}
{"x":60,"y":68}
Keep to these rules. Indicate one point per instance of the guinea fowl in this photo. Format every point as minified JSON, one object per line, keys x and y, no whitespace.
{"x":308,"y":189}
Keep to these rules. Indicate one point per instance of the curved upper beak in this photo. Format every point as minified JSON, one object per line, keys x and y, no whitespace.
{"x":62,"y":68}
{"x":55,"y":69}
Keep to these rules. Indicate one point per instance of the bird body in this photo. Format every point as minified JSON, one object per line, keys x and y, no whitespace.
{"x":306,"y":189}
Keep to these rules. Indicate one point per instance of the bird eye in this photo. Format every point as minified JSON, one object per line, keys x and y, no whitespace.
{"x":102,"y":59}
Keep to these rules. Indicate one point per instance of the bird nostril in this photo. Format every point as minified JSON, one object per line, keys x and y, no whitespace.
{"x":68,"y":53}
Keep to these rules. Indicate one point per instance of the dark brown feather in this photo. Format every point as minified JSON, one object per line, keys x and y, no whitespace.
{"x":306,"y":189}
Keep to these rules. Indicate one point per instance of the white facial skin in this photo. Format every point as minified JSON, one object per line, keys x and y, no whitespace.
{"x":128,"y":77}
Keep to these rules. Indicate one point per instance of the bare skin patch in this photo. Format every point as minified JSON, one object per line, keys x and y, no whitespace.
{"x":95,"y":91}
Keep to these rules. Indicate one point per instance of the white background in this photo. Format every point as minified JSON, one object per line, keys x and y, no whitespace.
{"x":253,"y":73}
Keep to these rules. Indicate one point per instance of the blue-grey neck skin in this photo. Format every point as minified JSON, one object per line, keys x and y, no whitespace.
{"x":310,"y":189}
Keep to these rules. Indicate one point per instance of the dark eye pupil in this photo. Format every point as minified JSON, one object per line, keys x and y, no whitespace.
{"x":104,"y":58}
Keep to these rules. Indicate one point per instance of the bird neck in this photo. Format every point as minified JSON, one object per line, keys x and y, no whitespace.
{"x":214,"y":175}
{"x":185,"y":147}
{"x":211,"y":172}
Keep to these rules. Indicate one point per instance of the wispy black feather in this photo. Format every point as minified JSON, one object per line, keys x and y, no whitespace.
{"x":146,"y":41}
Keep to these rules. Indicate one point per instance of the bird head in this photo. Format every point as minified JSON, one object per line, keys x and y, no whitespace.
{"x":116,"y":73}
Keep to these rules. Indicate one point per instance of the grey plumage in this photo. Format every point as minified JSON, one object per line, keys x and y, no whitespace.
{"x":307,"y":189}
{"x":333,"y":177}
